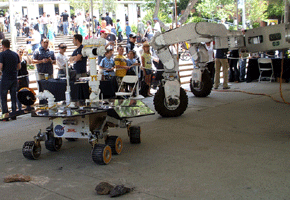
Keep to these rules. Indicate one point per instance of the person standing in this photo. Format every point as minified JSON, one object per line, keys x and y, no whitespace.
{"x":221,"y":60}
{"x":104,"y":35}
{"x":119,"y":31}
{"x":131,"y":44}
{"x":2,"y":28}
{"x":80,"y":62}
{"x":17,"y":20}
{"x":148,"y":32}
{"x":121,"y":65}
{"x":34,"y":39}
{"x":107,"y":65}
{"x":44,"y":60}
{"x":128,"y":31}
{"x":51,"y":36}
{"x":234,"y":74}
{"x":103,"y":23}
{"x":108,"y":19}
{"x":61,"y":60}
{"x":9,"y":64}
{"x":140,"y":28}
{"x":64,"y":18}
{"x":23,"y":77}
{"x":157,"y":28}
{"x":96,"y":24}
{"x":44,"y":23}
{"x":244,"y":54}
{"x":132,"y":63}
{"x":146,"y":61}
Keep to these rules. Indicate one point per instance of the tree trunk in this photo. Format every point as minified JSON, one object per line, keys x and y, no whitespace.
{"x":162,"y":25}
{"x":189,"y":7}
{"x":157,"y":5}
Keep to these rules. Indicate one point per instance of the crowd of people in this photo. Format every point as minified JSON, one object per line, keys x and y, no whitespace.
{"x":134,"y":59}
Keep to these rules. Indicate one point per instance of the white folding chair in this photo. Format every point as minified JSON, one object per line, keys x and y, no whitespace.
{"x":266,"y":66}
{"x":127,"y":79}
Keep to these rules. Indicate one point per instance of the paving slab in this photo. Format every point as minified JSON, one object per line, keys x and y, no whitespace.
{"x":228,"y":145}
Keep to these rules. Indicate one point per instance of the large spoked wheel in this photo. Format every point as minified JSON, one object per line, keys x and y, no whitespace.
{"x":135,"y":134}
{"x":53,"y":143}
{"x":115,"y":143}
{"x":167,"y":111}
{"x":31,"y":151}
{"x":203,"y":88}
{"x":102,"y":154}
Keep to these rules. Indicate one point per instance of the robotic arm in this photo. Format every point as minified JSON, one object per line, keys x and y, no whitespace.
{"x":194,"y":34}
{"x":255,"y":40}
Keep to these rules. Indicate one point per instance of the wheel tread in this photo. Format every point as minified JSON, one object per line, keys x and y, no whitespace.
{"x":97,"y":154}
{"x":27,"y":150}
{"x":163,"y":111}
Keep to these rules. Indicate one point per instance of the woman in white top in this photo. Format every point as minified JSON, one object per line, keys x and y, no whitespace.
{"x":149,"y":32}
{"x":61,"y":60}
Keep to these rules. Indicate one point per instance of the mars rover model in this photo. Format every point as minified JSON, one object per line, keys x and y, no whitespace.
{"x":85,"y":120}
{"x":92,"y":120}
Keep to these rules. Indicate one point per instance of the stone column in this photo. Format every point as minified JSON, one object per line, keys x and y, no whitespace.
{"x":33,"y":10}
{"x":62,"y":7}
{"x":49,"y":9}
{"x":120,"y":14}
{"x":142,"y":12}
{"x":132,"y":14}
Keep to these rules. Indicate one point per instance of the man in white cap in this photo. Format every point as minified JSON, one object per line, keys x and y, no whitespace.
{"x":156,"y":26}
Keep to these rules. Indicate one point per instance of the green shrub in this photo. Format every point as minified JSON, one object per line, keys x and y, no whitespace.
{"x":134,"y":28}
{"x":194,"y":19}
{"x":256,"y":25}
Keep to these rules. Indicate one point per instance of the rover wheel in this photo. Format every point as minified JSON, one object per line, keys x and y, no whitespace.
{"x":53,"y":144}
{"x":115,"y":143}
{"x":102,"y":154}
{"x":134,"y":133}
{"x":164,"y":110}
{"x":203,"y":88}
{"x":31,"y":151}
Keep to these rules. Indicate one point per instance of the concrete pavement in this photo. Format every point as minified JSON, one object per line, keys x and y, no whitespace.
{"x":226,"y":146}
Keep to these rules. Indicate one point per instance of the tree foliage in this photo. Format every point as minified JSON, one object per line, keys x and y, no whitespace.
{"x":77,"y":4}
{"x":110,"y":5}
{"x":275,"y":8}
{"x":255,"y":9}
{"x":165,"y":6}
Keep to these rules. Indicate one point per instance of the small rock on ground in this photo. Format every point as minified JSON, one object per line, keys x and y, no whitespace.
{"x":120,"y":190}
{"x":104,"y":188}
{"x":17,"y":178}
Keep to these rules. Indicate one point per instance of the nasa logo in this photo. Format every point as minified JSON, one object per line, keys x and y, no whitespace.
{"x":59,"y":130}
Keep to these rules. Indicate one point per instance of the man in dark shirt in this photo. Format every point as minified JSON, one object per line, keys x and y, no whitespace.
{"x":108,"y":19}
{"x":80,"y":62}
{"x":9,"y":64}
{"x":132,"y":39}
{"x":96,"y":24}
{"x":44,"y":60}
{"x":221,"y":60}
{"x":112,"y":39}
{"x":234,"y":74}
{"x":64,"y":18}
